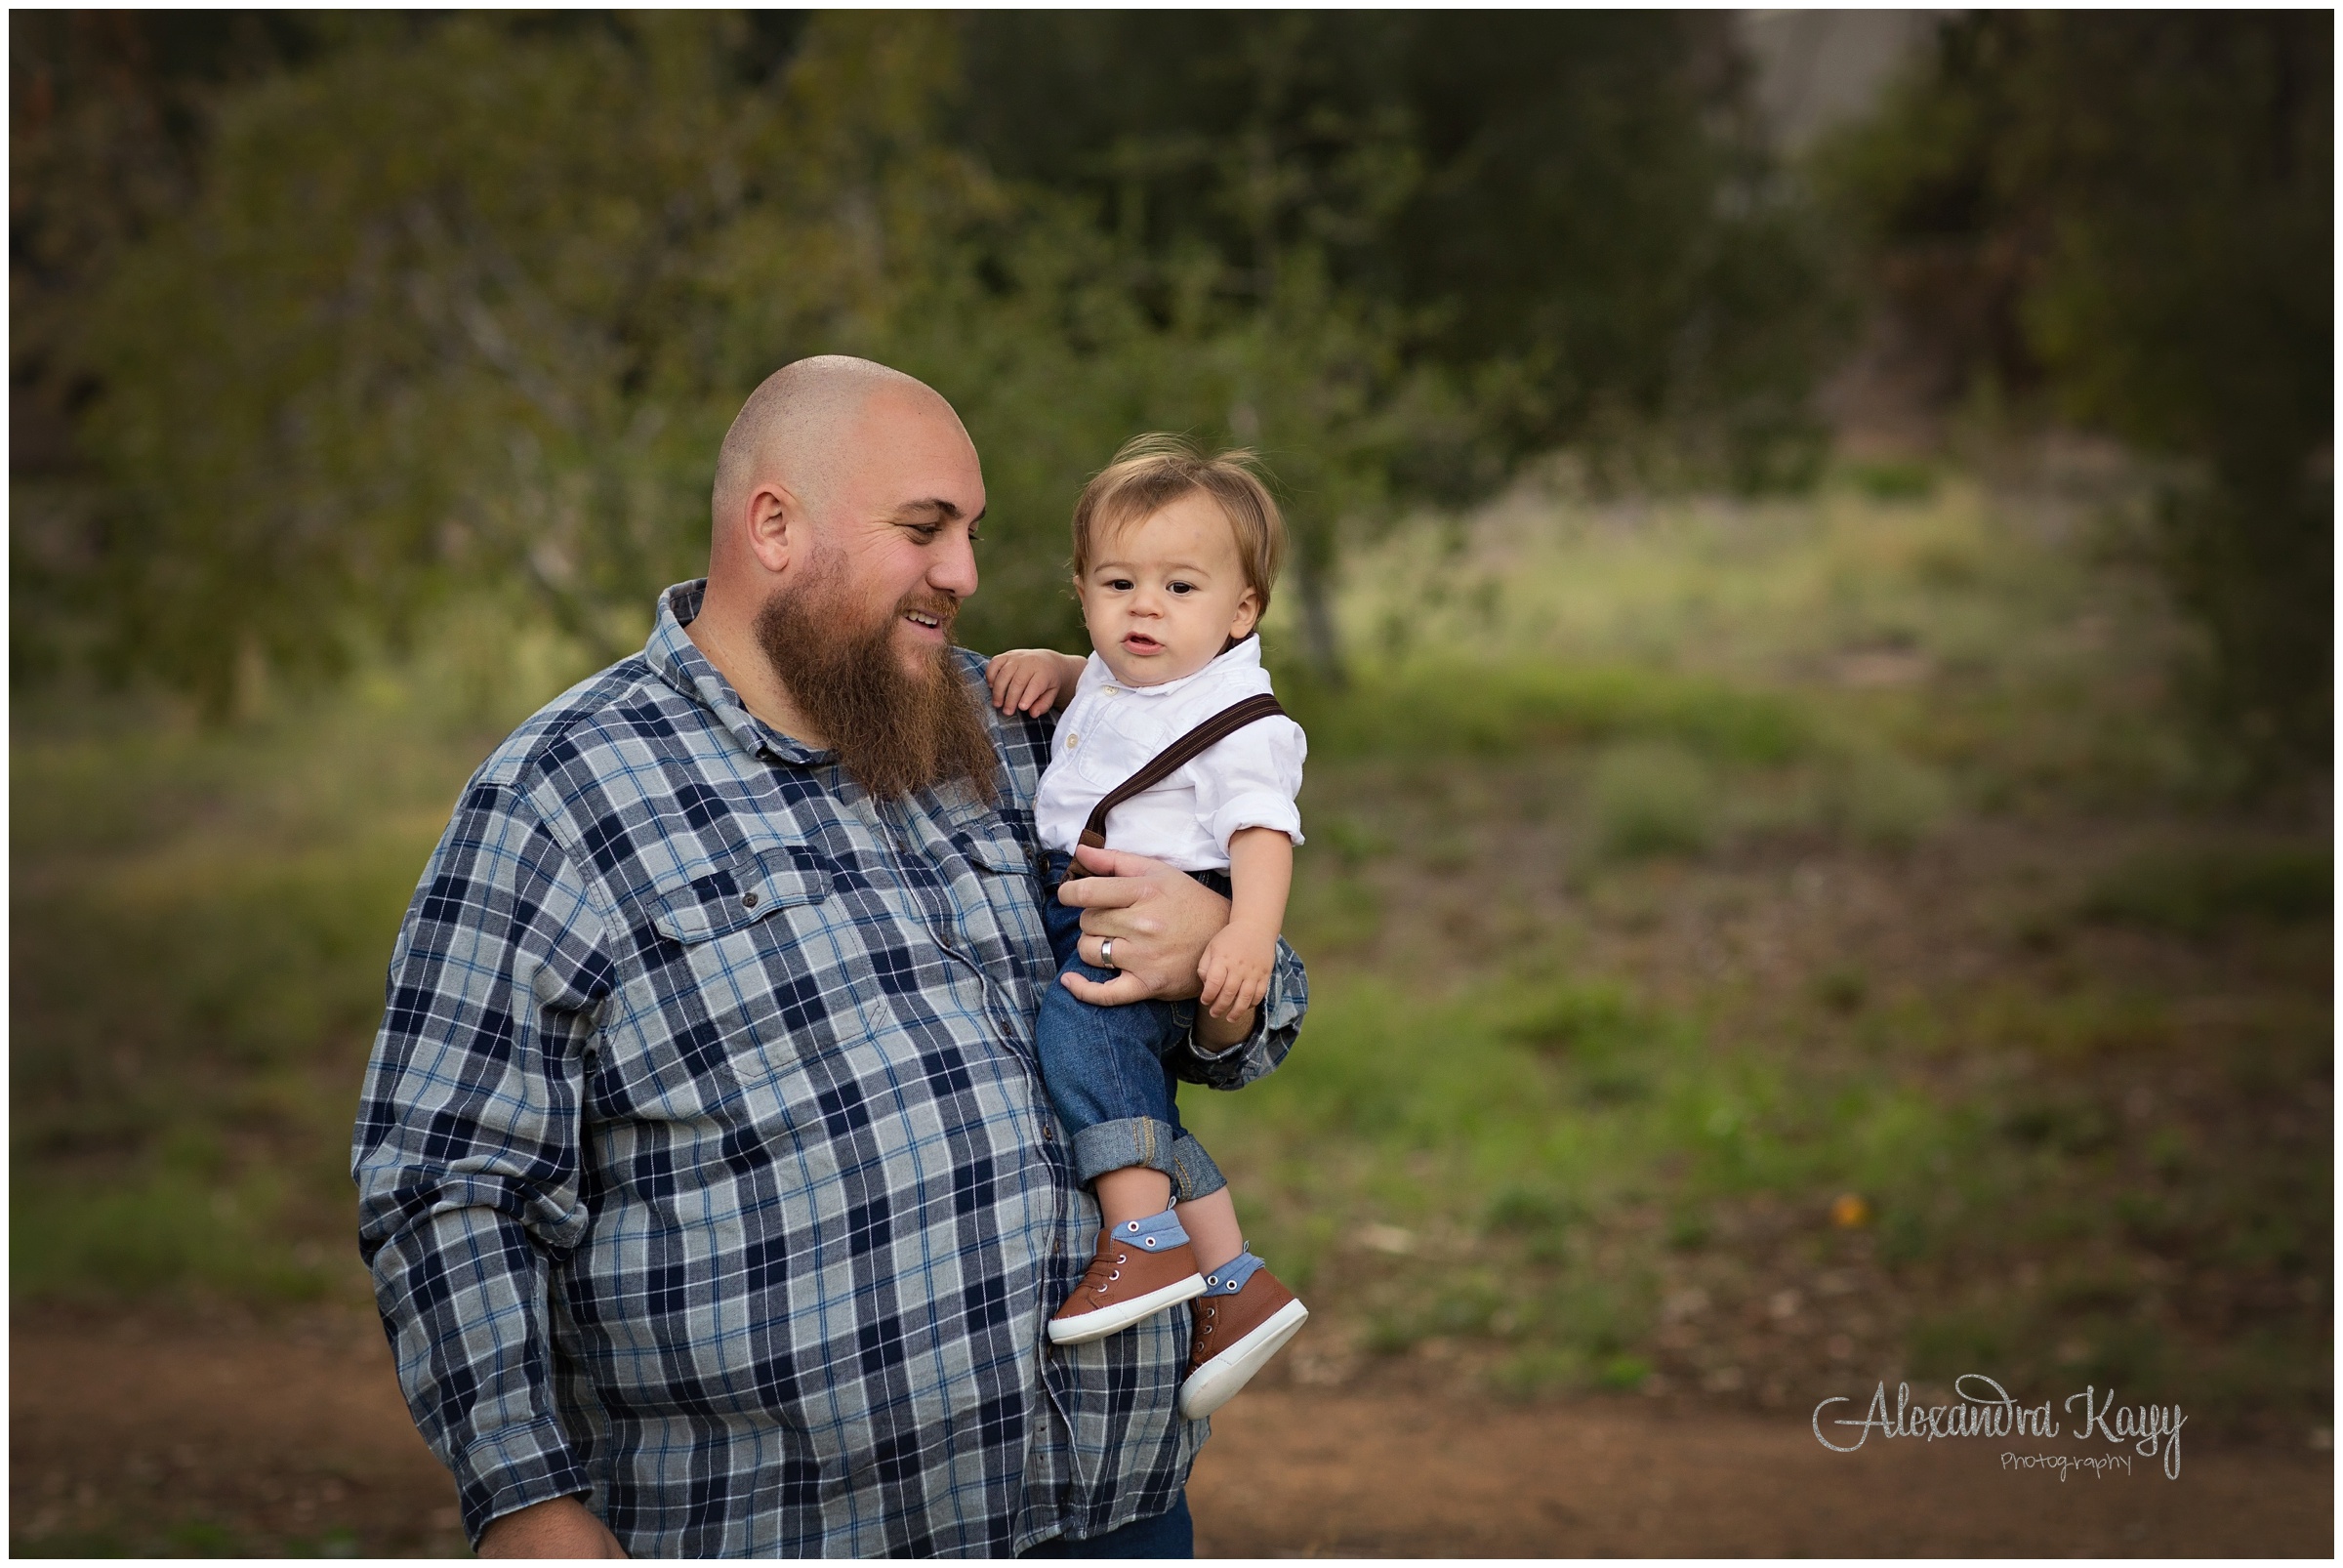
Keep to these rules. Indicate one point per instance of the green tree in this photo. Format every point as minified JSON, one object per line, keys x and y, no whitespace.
{"x":1571,"y":215}
{"x":462,"y":305}
{"x":2133,"y":211}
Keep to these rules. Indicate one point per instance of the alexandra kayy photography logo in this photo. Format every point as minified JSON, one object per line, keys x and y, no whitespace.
{"x":2150,"y":1432}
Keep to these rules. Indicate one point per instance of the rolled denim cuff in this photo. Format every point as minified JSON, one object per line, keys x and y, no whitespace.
{"x":1193,"y":1172}
{"x":1105,"y":1146}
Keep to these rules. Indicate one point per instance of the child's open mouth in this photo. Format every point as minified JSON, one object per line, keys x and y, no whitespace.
{"x":1141,"y":642}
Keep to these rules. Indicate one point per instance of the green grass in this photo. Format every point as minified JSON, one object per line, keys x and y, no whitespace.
{"x":201,"y":922}
{"x":2197,"y":894}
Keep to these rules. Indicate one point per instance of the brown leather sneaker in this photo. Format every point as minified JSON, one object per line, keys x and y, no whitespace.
{"x":1126,"y":1283}
{"x":1235,"y":1337}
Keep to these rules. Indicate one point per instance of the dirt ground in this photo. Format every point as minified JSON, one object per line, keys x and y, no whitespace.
{"x":143,"y":1434}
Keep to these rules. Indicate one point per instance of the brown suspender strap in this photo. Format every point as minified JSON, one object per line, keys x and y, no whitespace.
{"x":1170,"y":759}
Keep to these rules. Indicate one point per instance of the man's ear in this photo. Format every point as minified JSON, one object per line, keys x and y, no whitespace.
{"x":775,"y":528}
{"x":1248,"y":616}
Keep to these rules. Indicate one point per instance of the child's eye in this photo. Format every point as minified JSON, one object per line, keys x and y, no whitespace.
{"x":1120,"y":585}
{"x":1181,"y":588}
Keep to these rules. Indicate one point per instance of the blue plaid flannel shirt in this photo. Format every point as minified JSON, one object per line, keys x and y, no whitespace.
{"x":704,"y":1164}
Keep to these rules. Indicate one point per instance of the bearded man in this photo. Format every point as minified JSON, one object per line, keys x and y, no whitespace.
{"x":705,"y":1173}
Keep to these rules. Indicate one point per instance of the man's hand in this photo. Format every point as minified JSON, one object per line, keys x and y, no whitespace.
{"x":1031,"y":681}
{"x":564,"y":1527}
{"x":1160,"y":920}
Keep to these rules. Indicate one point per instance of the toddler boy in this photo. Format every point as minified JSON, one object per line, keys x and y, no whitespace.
{"x":1175,"y":555}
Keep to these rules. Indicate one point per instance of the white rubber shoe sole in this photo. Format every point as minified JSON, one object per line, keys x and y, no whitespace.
{"x":1115,"y":1319}
{"x":1217,"y":1382}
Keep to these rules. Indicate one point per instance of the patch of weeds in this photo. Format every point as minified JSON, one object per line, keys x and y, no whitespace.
{"x":98,"y":1543}
{"x":1652,"y":798}
{"x":2153,"y":1220}
{"x":1331,"y":914}
{"x":1950,"y":1344}
{"x":1621,"y":1373}
{"x":1431,"y":708}
{"x":1527,"y":1211}
{"x":1689,"y":1229}
{"x":1891,"y":480}
{"x":2070,"y":1124}
{"x":1602,"y":1036}
{"x":1539,"y":1370}
{"x":1905,"y":1236}
{"x":167,"y":1231}
{"x":1354,"y":841}
{"x":2196,"y":893}
{"x":1882,"y":800}
{"x":1541,"y":1219}
{"x":1840,"y":988}
{"x":1600,"y":1318}
{"x":2114,"y":1352}
{"x":1579,"y":1018}
{"x":336,"y":1542}
{"x":201,"y":1538}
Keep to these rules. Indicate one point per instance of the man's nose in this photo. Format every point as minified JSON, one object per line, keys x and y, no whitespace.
{"x":954,"y":569}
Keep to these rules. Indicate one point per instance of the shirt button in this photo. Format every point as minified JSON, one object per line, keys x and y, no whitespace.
{"x":748,"y":901}
{"x":1049,"y":1133}
{"x":1073,"y":741}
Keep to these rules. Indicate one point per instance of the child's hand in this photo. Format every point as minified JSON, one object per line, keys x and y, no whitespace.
{"x":1026,"y":679}
{"x":1235,"y":970}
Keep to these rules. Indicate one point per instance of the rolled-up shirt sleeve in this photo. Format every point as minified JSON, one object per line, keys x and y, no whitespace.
{"x":1274,"y":1032}
{"x":1250,"y":780}
{"x":467,"y":1150}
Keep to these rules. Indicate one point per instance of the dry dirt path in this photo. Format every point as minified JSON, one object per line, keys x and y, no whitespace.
{"x":148,"y":1435}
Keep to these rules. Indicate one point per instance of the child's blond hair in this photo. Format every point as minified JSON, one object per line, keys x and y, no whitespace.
{"x":1153,"y":471}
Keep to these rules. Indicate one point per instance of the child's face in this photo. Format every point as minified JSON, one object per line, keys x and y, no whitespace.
{"x":1164,"y":594}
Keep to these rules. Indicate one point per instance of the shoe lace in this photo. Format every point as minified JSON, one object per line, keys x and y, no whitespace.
{"x":1208,"y":1319}
{"x":1103,"y":1273}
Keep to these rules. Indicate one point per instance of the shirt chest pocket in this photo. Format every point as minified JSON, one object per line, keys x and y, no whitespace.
{"x":747,"y":973}
{"x":746,"y":893}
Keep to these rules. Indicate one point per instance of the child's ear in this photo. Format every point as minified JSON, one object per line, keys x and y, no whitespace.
{"x":1248,"y":615}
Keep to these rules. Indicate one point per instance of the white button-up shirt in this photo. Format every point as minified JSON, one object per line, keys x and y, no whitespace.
{"x":1109,"y":731}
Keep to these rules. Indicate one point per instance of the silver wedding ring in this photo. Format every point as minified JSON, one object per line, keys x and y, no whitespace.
{"x":1106,"y":955}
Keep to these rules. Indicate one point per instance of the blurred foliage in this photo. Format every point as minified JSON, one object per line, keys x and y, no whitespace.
{"x":2133,"y":211}
{"x":417,"y":303}
{"x":1574,"y":212}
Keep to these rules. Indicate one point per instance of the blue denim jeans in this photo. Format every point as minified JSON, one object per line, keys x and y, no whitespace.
{"x":1104,"y":1066}
{"x":1169,"y":1534}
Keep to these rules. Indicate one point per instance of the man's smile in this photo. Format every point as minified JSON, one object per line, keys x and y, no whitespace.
{"x":931,"y":623}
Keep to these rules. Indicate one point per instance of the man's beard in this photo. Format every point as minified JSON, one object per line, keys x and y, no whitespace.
{"x":894,"y":732}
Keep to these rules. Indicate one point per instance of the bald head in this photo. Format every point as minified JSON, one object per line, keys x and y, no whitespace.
{"x":796,"y":428}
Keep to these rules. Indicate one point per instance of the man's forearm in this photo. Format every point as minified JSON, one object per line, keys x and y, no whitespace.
{"x":562,"y":1527}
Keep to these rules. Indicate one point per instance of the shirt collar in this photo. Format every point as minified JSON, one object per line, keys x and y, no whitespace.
{"x":1246,"y":655}
{"x":677,"y":660}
